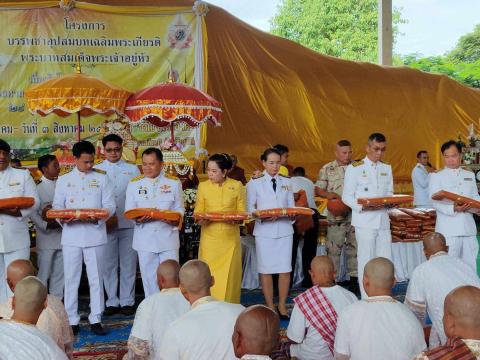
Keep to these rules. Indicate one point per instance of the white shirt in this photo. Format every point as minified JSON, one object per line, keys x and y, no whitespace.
{"x":203,"y":333}
{"x":46,"y":238}
{"x":119,"y":174}
{"x":420,"y":179}
{"x":432,"y":281}
{"x":163,"y":193}
{"x":458,"y":181}
{"x":303,"y":183}
{"x":79,"y":190}
{"x":311,"y":345}
{"x":260,"y":196}
{"x":378,"y":328}
{"x":366,"y":179}
{"x":14,"y":233}
{"x":25,"y":342}
{"x":155,"y":314}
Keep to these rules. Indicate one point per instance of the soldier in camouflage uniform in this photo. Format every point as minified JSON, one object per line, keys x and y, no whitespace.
{"x":340,"y":232}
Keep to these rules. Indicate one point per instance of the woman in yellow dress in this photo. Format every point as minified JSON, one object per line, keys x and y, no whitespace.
{"x":220,"y":245}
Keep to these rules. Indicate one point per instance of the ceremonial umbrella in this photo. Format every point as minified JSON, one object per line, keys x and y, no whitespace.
{"x":76,"y":93}
{"x":164,"y":104}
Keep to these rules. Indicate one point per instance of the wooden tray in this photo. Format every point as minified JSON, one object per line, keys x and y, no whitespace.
{"x":21,"y":202}
{"x":222,"y":216}
{"x":282,"y":212}
{"x":65,"y":214}
{"x":458,"y":199}
{"x":386,"y":201}
{"x":155,"y":214}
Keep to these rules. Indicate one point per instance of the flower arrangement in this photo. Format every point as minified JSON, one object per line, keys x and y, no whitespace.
{"x":190,"y":196}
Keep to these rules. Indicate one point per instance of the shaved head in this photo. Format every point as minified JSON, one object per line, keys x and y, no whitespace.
{"x":322,"y":271}
{"x":167,"y":273}
{"x":29,"y":299}
{"x":433,"y":243}
{"x":256,"y":331}
{"x":380,"y":274}
{"x":195,"y":277}
{"x":18,"y":270}
{"x":462,"y":310}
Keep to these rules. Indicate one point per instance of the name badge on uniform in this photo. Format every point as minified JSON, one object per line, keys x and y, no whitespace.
{"x":14,"y":184}
{"x":468,"y":179}
{"x":94,"y":183}
{"x":285,"y":187}
{"x":383,"y":174}
{"x":165,"y":189}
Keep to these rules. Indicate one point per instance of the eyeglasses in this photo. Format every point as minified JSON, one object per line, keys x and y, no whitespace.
{"x":111,"y":150}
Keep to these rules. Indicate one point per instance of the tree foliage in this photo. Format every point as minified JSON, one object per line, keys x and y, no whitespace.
{"x":342,"y":28}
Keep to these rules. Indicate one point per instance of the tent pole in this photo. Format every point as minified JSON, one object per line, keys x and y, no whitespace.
{"x":78,"y":126}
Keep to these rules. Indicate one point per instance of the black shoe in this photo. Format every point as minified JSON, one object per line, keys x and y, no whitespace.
{"x":111,"y":310}
{"x":75,"y":329}
{"x":127,"y":310}
{"x":282,"y":316}
{"x":98,"y":329}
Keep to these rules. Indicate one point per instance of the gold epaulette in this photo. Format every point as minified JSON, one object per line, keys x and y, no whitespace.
{"x":285,"y":176}
{"x":38,"y":181}
{"x":357,"y":163}
{"x":171,"y":177}
{"x":384,"y":162}
{"x":99,"y":171}
{"x":258,"y":177}
{"x":136,"y":178}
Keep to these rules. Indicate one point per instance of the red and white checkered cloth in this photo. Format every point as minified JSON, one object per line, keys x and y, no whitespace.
{"x":319,"y":312}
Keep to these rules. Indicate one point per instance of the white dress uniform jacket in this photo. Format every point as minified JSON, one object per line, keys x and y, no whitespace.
{"x":163,"y":193}
{"x":79,"y":190}
{"x":420,"y":179}
{"x":14,"y":233}
{"x":366,"y":179}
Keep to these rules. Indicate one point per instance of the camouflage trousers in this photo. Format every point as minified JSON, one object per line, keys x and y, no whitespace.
{"x":341,"y":236}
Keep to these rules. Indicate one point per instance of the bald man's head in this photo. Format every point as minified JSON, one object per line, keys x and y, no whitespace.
{"x":29,"y":299}
{"x":322,"y":271}
{"x":256,"y":331}
{"x":195,"y":278}
{"x":379,"y":277}
{"x":167,"y":274}
{"x":462,"y":313}
{"x":433,"y":243}
{"x":18,"y":270}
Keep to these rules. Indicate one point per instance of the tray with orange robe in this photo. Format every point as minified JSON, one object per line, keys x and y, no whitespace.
{"x":20,"y":202}
{"x":155,"y":214}
{"x":387,"y":201}
{"x":78,"y":214}
{"x":456,"y":198}
{"x":222,"y":216}
{"x":282,"y":212}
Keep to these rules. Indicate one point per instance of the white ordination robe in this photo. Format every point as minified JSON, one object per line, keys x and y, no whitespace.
{"x":310,"y":344}
{"x":378,"y":328}
{"x":25,"y":342}
{"x":53,"y":321}
{"x":154,"y":315}
{"x":430,"y":284}
{"x":203,"y":333}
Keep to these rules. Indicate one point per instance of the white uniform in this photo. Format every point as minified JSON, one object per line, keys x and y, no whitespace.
{"x":309,"y":343}
{"x":366,"y":179}
{"x":420,"y":179}
{"x":203,"y":333}
{"x":430,"y":284}
{"x":79,"y":190}
{"x":154,"y":315}
{"x":14,"y":235}
{"x":273,"y":239}
{"x":303,"y":183}
{"x":378,"y":328}
{"x":458,"y":227}
{"x":155,"y":241}
{"x":119,"y":246}
{"x":25,"y":342}
{"x":49,"y":247}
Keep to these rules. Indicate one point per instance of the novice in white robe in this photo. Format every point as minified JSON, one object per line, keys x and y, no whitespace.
{"x":203,"y":333}
{"x":25,"y":342}
{"x":154,"y":315}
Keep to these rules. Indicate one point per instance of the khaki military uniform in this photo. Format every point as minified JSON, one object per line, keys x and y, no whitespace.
{"x":340,"y":231}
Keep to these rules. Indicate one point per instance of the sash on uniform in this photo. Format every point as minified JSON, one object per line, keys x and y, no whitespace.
{"x":454,"y":349}
{"x":319,"y":312}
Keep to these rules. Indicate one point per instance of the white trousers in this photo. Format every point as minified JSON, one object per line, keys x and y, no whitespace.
{"x":465,"y":248}
{"x":371,"y":243}
{"x":148,"y":268}
{"x":5,"y":260}
{"x":119,"y":253}
{"x":93,"y":257}
{"x":50,"y":270}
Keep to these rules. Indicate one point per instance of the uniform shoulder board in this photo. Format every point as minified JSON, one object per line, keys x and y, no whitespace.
{"x":357,"y":163}
{"x":171,"y":177}
{"x":136,"y":178}
{"x":38,"y":181}
{"x":384,"y":162}
{"x":99,"y":171}
{"x":285,"y":176}
{"x":258,"y":176}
